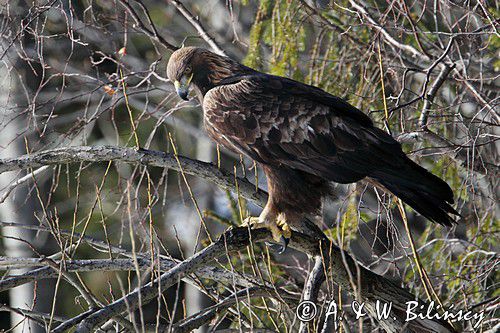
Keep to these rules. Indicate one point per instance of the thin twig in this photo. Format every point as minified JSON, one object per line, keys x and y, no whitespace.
{"x":151,"y":33}
{"x":21,"y":181}
{"x":445,"y":71}
{"x":197,"y":25}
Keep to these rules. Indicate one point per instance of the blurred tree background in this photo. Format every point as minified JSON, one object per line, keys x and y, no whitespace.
{"x":92,"y":73}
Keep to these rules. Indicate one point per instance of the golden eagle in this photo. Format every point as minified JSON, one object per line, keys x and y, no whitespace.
{"x":303,"y":137}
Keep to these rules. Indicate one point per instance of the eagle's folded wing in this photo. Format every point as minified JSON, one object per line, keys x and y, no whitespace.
{"x":276,"y":120}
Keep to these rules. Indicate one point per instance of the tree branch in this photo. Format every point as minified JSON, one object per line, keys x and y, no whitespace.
{"x":388,"y":38}
{"x":232,"y":240}
{"x":312,"y":288}
{"x":107,"y":265}
{"x":197,"y":25}
{"x":422,"y":121}
{"x":151,"y":33}
{"x":200,"y":169}
{"x":373,"y":287}
{"x":212,"y":273}
{"x":207,"y":314}
{"x":459,"y":153}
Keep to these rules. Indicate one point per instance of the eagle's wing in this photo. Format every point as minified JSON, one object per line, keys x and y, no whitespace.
{"x":278,"y":121}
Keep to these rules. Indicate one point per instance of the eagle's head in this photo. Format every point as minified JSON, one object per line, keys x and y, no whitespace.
{"x":201,"y":68}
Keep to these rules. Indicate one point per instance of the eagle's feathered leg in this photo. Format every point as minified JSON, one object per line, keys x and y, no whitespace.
{"x":293,"y":195}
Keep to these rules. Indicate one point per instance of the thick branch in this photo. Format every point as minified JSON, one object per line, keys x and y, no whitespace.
{"x":373,"y":287}
{"x":143,"y":259}
{"x":107,"y":265}
{"x":445,"y":71}
{"x":311,"y":289}
{"x":232,"y":240}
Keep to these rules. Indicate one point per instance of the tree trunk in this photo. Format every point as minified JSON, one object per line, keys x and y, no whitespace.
{"x":19,"y":206}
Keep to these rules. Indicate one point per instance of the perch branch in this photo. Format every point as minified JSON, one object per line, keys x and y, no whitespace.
{"x":373,"y":287}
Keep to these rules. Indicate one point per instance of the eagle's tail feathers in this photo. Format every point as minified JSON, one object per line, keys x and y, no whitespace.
{"x":427,"y":194}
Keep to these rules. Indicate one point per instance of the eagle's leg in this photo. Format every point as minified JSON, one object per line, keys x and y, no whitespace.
{"x":280,"y":230}
{"x":293,"y":195}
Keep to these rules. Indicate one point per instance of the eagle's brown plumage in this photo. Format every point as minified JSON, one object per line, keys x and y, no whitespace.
{"x":303,"y":137}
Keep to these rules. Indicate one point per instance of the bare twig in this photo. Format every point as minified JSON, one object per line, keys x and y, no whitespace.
{"x":40,"y":318}
{"x":151,"y":33}
{"x":458,"y":152}
{"x":197,"y":25}
{"x":21,"y":181}
{"x":388,"y":38}
{"x":445,"y":71}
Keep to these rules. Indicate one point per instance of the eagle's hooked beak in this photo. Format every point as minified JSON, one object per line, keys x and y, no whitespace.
{"x":182,"y":87}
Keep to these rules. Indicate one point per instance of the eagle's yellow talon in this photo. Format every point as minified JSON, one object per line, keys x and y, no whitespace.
{"x":250,"y":221}
{"x":280,"y":230}
{"x":285,"y":233}
{"x":276,"y":232}
{"x":285,"y":228}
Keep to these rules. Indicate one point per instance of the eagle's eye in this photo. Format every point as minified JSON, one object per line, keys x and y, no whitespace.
{"x":188,"y":70}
